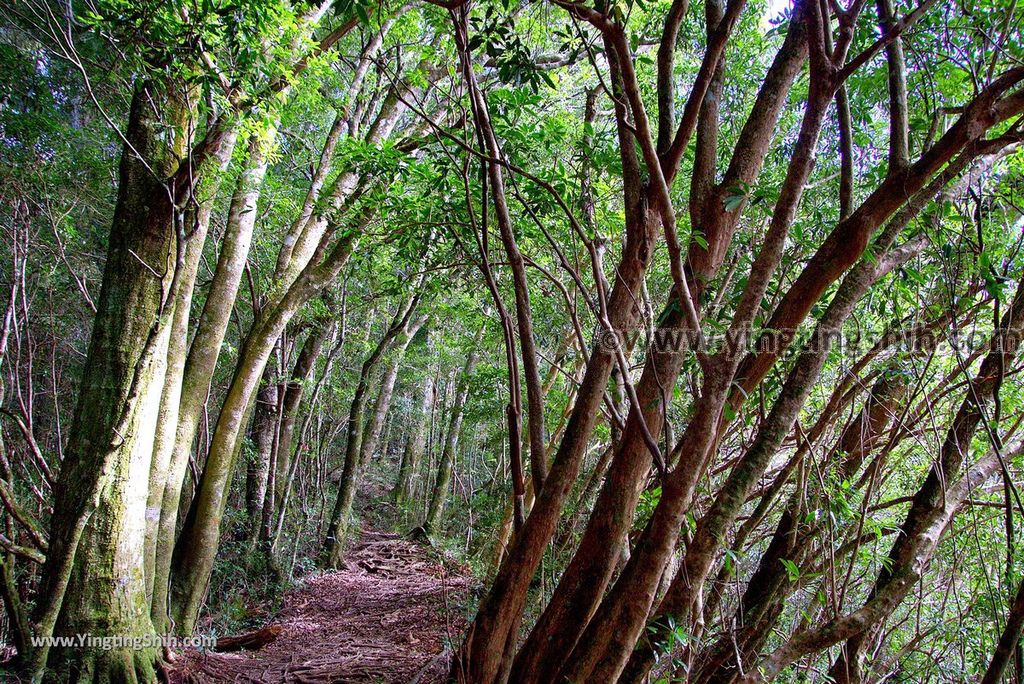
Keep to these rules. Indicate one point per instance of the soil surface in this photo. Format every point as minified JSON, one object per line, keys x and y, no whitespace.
{"x":390,"y":615}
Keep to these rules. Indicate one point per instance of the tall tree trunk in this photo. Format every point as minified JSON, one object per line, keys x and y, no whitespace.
{"x":451,"y":441}
{"x":261,"y":433}
{"x":337,"y":530}
{"x":338,"y":340}
{"x":375,"y":425}
{"x":302,"y":373}
{"x":415,"y":442}
{"x":483,"y":654}
{"x":583,"y":583}
{"x":524,"y":313}
{"x":617,"y":625}
{"x":307,"y":263}
{"x":93,"y":580}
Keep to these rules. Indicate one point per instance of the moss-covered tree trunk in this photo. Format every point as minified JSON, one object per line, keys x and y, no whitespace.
{"x":200,"y":536}
{"x":93,"y":581}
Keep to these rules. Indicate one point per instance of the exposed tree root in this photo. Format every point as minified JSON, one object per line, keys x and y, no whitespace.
{"x":116,"y":666}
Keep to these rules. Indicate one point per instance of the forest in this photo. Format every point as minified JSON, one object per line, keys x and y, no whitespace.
{"x":529,"y":341}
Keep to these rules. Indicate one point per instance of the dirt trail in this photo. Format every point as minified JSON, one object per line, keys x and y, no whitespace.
{"x":386,"y":617}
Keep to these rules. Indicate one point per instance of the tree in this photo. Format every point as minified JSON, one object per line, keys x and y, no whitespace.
{"x":451,"y":440}
{"x":755,"y":410}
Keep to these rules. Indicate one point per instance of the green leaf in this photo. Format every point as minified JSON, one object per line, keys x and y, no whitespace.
{"x":735,"y":196}
{"x":732,"y":202}
{"x":792,"y":570}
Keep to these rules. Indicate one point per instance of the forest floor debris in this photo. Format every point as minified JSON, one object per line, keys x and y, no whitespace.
{"x":390,"y":615}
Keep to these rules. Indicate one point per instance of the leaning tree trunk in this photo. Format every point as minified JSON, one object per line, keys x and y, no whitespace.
{"x":712,"y":527}
{"x":591,"y":569}
{"x":197,"y":546}
{"x":306,"y":265}
{"x":769,"y":587}
{"x":302,"y":373}
{"x":93,"y":579}
{"x":197,"y":221}
{"x":202,"y":361}
{"x":483,"y":653}
{"x":262,"y":433}
{"x":325,"y":373}
{"x":930,"y":501}
{"x":375,"y":426}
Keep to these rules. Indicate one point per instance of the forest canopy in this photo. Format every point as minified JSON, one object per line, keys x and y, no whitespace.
{"x":685,"y":332}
